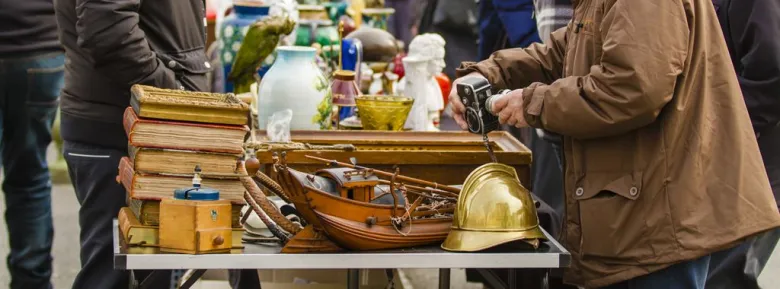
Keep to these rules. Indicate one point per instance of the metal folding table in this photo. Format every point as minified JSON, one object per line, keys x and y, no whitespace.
{"x":550,"y":255}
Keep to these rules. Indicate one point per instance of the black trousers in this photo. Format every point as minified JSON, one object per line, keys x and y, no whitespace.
{"x":93,"y":170}
{"x":244,"y":279}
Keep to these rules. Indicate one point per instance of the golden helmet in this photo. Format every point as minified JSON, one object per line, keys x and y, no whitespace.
{"x":493,"y":209}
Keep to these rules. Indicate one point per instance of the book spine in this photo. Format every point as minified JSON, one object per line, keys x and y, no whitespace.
{"x":126,"y":175}
{"x":137,"y":207}
{"x":135,"y":102}
{"x":132,"y":152}
{"x":125,"y":221}
{"x":130,"y":118}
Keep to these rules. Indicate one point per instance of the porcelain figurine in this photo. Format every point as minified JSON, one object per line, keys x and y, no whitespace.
{"x":424,"y":61}
{"x":259,"y":42}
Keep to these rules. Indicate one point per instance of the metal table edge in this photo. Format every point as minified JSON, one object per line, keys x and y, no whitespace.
{"x":121,"y":260}
{"x":564,"y":258}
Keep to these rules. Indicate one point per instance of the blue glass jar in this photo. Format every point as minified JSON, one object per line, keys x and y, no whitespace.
{"x":232,"y":32}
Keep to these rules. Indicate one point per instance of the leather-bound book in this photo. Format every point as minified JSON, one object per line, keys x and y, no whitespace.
{"x":157,"y":187}
{"x":179,"y":105}
{"x":180,"y":162}
{"x":148,"y":212}
{"x":149,"y":133}
{"x":136,"y":236}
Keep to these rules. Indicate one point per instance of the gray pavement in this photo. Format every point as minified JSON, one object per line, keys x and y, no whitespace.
{"x":66,"y":250}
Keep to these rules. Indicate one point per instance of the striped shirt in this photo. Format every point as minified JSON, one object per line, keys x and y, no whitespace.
{"x":551,"y":15}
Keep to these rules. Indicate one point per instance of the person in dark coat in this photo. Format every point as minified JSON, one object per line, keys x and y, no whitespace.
{"x":110,"y":46}
{"x":751,"y":29}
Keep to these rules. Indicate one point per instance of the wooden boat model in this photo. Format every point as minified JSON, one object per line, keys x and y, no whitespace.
{"x":356,"y":210}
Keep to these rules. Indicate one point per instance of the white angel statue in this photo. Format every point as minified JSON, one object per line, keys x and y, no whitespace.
{"x":424,"y":61}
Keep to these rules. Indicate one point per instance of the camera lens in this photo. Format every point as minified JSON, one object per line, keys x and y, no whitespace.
{"x":473,"y":120}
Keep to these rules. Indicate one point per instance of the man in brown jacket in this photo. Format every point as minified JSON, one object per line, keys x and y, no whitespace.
{"x":661,"y":164}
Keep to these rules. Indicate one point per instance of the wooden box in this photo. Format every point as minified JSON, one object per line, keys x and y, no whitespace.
{"x":443,"y":157}
{"x":195,"y":227}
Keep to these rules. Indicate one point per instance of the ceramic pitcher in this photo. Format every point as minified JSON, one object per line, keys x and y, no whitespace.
{"x":294,"y":82}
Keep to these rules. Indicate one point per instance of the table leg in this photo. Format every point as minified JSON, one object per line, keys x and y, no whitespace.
{"x":531,"y":278}
{"x":512,"y":278}
{"x":148,"y":281}
{"x":494,"y":281}
{"x":444,"y":278}
{"x":353,"y":278}
{"x":192,"y":279}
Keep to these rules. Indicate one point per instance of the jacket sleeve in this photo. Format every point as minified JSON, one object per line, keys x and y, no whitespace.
{"x":108,"y":31}
{"x":518,"y":67}
{"x":755,"y":26}
{"x":636,"y":76}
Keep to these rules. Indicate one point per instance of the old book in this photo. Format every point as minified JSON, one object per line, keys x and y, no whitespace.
{"x":157,"y":187}
{"x":178,"y":162}
{"x":149,"y":133}
{"x":148,"y":212}
{"x":189,"y":106}
{"x":141,"y":239}
{"x":135,"y":233}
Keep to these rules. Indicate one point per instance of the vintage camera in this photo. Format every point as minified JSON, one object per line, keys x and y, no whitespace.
{"x":476,"y":94}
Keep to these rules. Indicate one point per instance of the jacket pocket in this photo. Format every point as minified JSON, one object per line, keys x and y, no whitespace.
{"x":610,"y":216}
{"x":190,"y":67}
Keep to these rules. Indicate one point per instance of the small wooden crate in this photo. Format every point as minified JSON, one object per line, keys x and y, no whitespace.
{"x":195,"y":227}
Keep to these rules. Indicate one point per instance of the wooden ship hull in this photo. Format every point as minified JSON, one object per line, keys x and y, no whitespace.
{"x":354,"y":224}
{"x":358,"y":236}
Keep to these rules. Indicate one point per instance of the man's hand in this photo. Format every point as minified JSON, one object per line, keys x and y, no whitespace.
{"x":510,"y":109}
{"x":458,"y":109}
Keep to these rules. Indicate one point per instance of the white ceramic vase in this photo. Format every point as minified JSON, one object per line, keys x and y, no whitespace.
{"x":294,"y":82}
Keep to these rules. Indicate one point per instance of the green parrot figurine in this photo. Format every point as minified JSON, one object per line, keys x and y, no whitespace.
{"x":260,"y":41}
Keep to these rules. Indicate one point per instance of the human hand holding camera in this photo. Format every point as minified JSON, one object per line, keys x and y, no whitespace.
{"x":509,"y":108}
{"x":506,"y":105}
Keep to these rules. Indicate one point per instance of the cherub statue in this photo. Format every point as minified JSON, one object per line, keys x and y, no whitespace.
{"x":424,"y":61}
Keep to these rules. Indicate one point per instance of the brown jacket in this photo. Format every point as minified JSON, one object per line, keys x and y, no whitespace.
{"x":661,"y":162}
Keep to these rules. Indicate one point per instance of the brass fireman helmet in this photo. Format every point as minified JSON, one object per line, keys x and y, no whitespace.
{"x":493,"y":209}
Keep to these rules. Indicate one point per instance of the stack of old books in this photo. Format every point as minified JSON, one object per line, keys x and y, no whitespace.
{"x":169,"y":133}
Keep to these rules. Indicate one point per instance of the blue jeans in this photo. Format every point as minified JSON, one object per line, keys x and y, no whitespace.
{"x":686,"y":275}
{"x":29,"y":95}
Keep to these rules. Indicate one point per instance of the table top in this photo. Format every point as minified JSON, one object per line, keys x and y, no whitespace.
{"x":257,"y":256}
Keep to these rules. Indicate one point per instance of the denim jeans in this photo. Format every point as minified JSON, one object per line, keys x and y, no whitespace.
{"x":686,"y":275}
{"x":29,"y":94}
